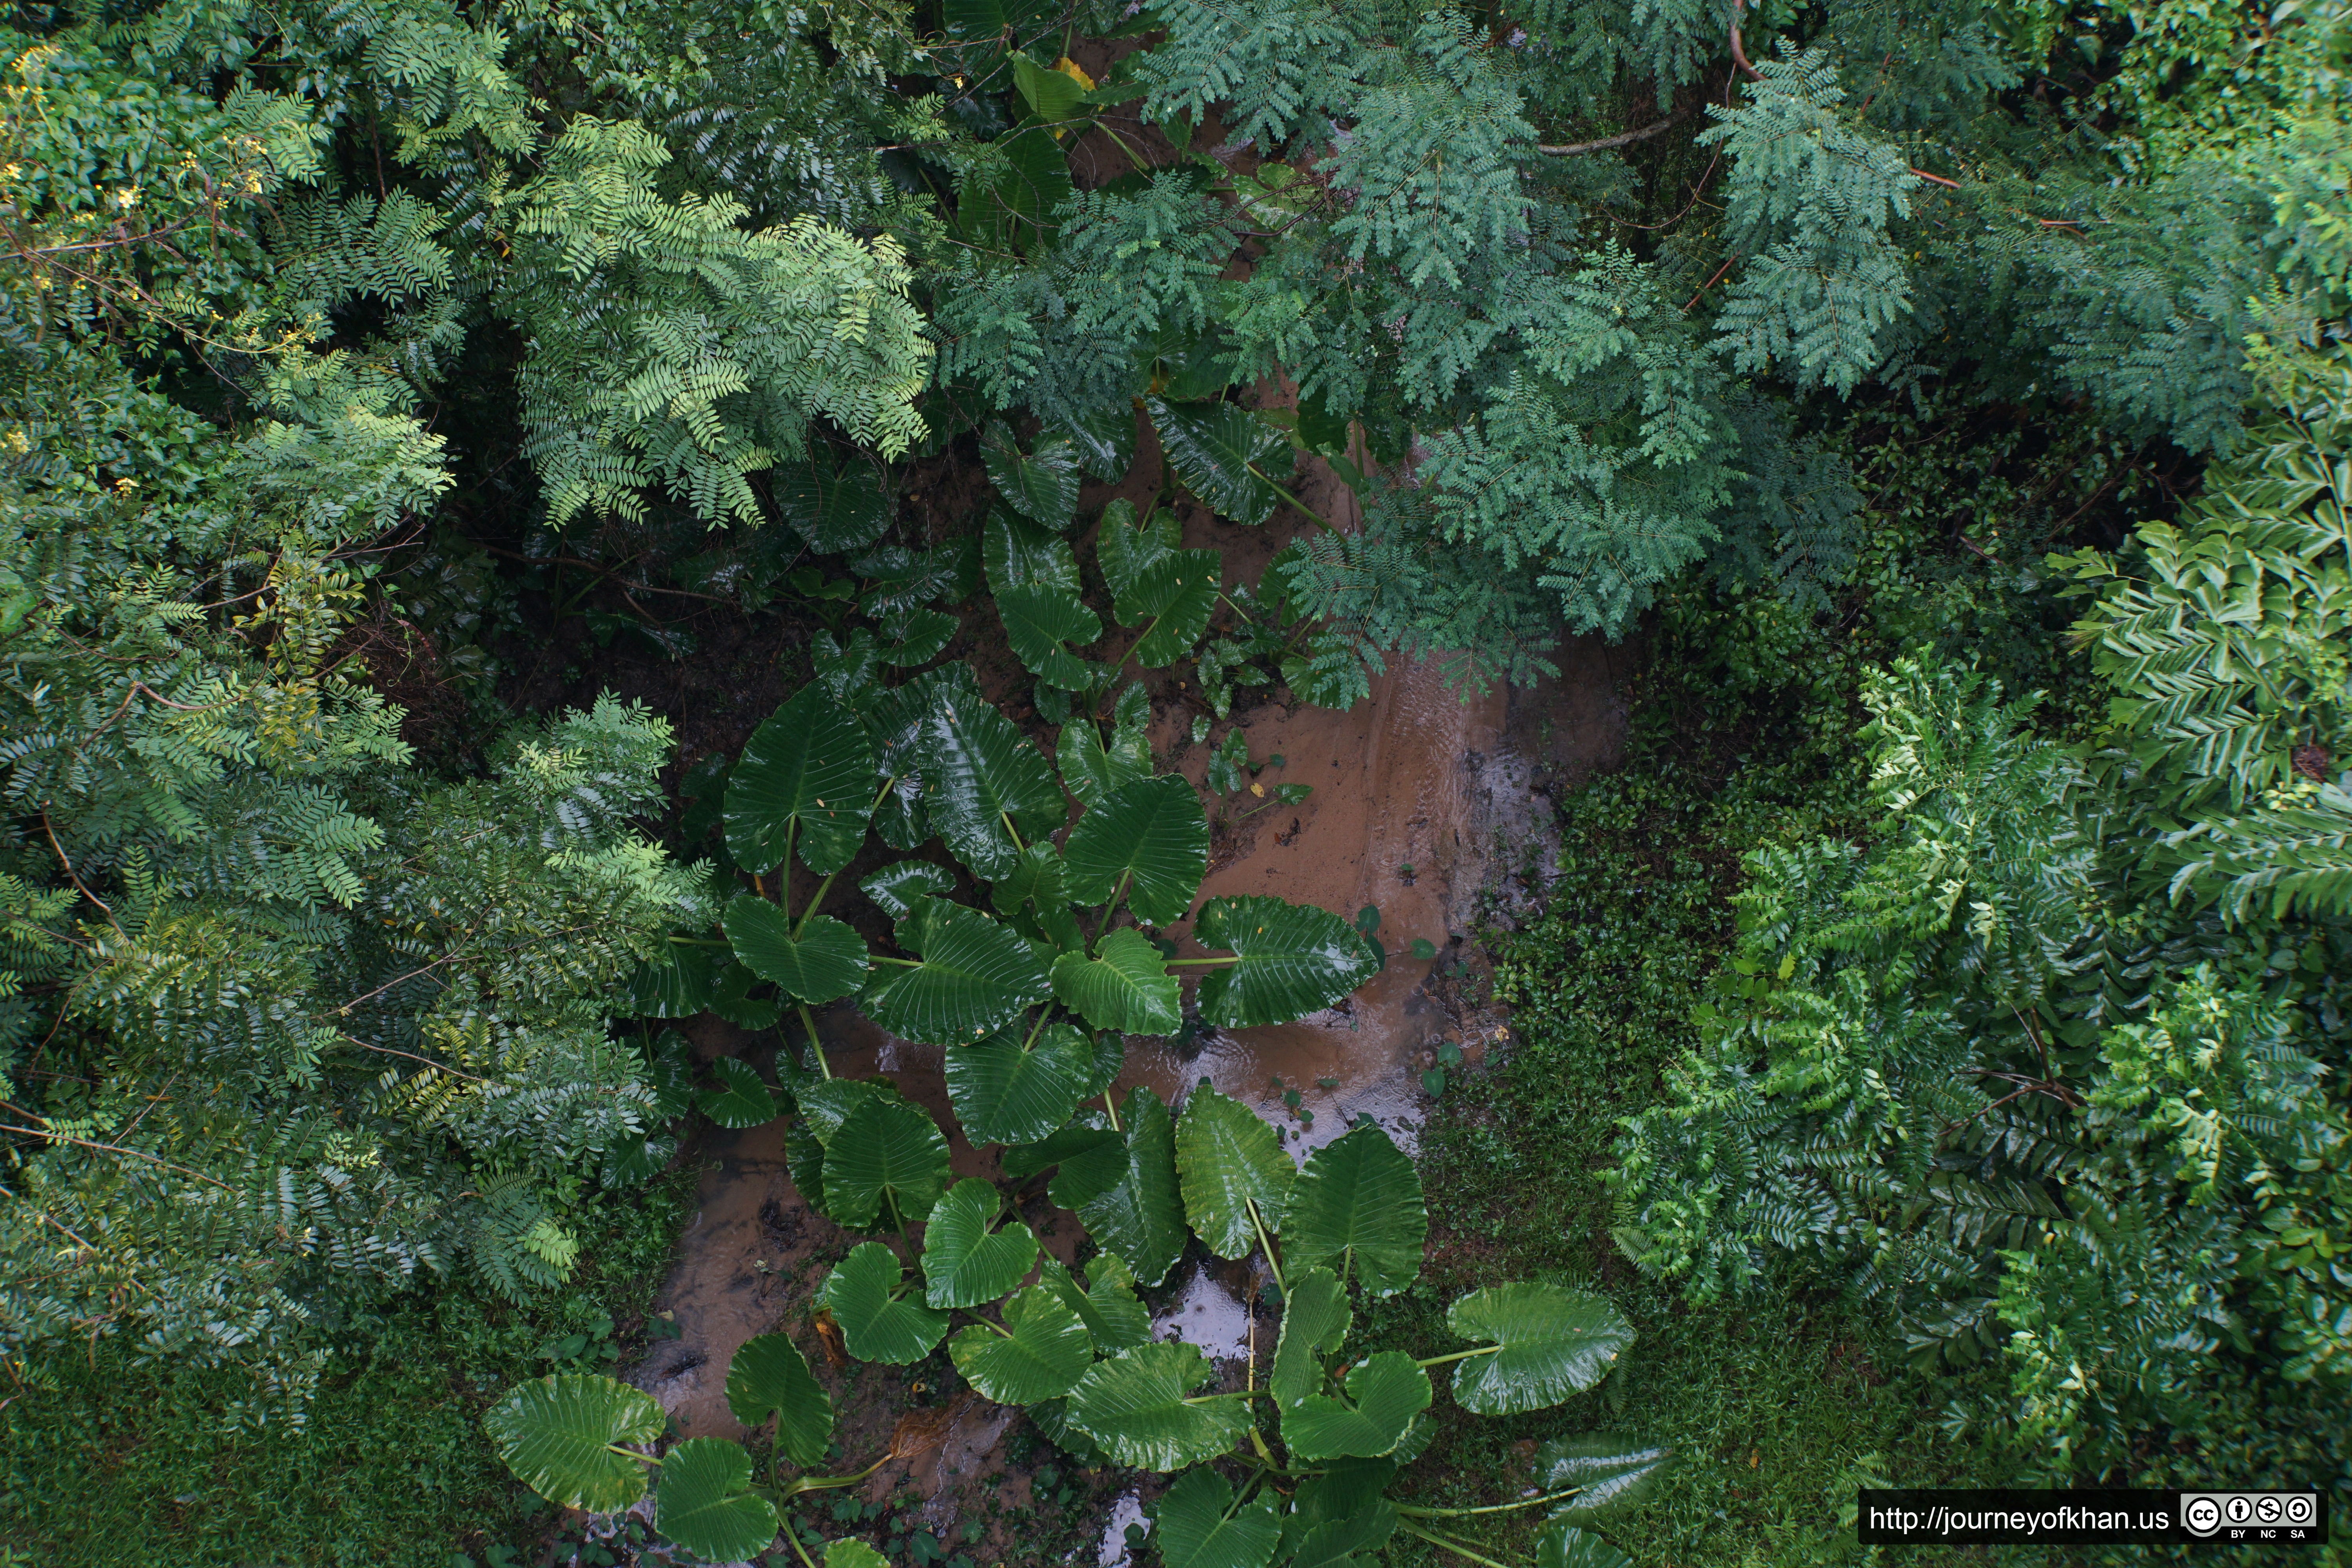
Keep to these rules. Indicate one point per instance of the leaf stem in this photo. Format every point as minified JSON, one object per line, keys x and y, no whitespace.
{"x":984,"y":1323}
{"x":1311,"y":516}
{"x":1453,"y":1546}
{"x":784,"y":870}
{"x":1492,"y":1508}
{"x":1035,"y":1029}
{"x":1011,"y":832}
{"x":1273,"y":1261}
{"x":901,"y":963}
{"x":1174,"y":962}
{"x":701,"y":942}
{"x":816,"y":1046}
{"x":1457,"y":1355}
{"x":1112,"y":1109}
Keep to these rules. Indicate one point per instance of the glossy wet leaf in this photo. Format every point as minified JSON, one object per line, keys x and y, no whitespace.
{"x":1024,"y":1160}
{"x":1357,"y":1207}
{"x":633,"y":1162}
{"x":1385,"y":1393}
{"x":1092,"y":769}
{"x":1612,"y":1473}
{"x":1047,"y":1353}
{"x":1151,"y":834}
{"x":1198,"y":1527}
{"x":964,"y":1262}
{"x":769,"y":1376}
{"x":1052,"y":1418}
{"x":1139,"y":1215}
{"x":1126,"y":548}
{"x":676,"y":983}
{"x":847,"y":672}
{"x":975,"y":976}
{"x":731,"y":999}
{"x":1138,"y":1406}
{"x":886,"y":1160}
{"x":917,"y":636}
{"x":979,"y":769}
{"x":1553,"y":1343}
{"x":1295,"y":960}
{"x":1037,"y":876}
{"x":1213,"y":447}
{"x":1347,"y":1541}
{"x":1124,"y":987}
{"x":1041,"y":624}
{"x":833,"y":511}
{"x":1019,"y":554}
{"x":827,"y":1104}
{"x":851,"y":1553}
{"x":1105,"y":438}
{"x":1042,"y":485}
{"x":1104,"y":1302}
{"x":705,"y":1503}
{"x":1177,"y":595}
{"x":1315,"y":1321}
{"x":896,"y":888}
{"x":1226,"y":1158}
{"x":557,"y":1435}
{"x":807,"y":771}
{"x":1002,"y":1094}
{"x":742,"y":1099}
{"x":824,"y":962}
{"x":900,"y":579}
{"x":880,"y":1318}
{"x":1565,"y":1546}
{"x":1110,"y":1056}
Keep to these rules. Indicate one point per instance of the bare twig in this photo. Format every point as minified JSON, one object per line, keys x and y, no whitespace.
{"x":1622,"y":138}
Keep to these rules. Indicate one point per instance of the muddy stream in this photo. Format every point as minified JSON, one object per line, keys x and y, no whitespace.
{"x":1434,"y":809}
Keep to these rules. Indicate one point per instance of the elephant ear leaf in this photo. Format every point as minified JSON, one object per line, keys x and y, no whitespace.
{"x":807,"y":777}
{"x":743,"y":1100}
{"x":866,"y":1294}
{"x":1290,"y":960}
{"x":1114,"y":1319}
{"x":1041,"y":624}
{"x":1043,"y":1354}
{"x":1549,"y":1342}
{"x":851,"y":1553}
{"x":1019,"y":555}
{"x":1044,"y":484}
{"x":824,"y":962}
{"x":1565,"y":1546}
{"x":1105,"y":438}
{"x":964,"y":1262}
{"x":1149,"y":836}
{"x":1386,"y":1393}
{"x":896,"y":888}
{"x":975,"y":976}
{"x":560,"y":1437}
{"x":1092,"y":770}
{"x":979,"y":772}
{"x":1003,"y":1094}
{"x":835,"y":510}
{"x":1138,"y":1214}
{"x":886,"y":1159}
{"x":1315,"y":1321}
{"x":1226,"y":1160}
{"x":1225,"y":454}
{"x":1125,"y":549}
{"x":1177,"y":593}
{"x":1198,"y":1527}
{"x":1124,"y":987}
{"x":1609,"y":1473}
{"x":769,"y":1376}
{"x":1358,"y":1203}
{"x":705,"y":1503}
{"x":1138,"y":1406}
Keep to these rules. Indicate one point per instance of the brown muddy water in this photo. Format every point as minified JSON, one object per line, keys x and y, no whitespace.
{"x":1430,"y":807}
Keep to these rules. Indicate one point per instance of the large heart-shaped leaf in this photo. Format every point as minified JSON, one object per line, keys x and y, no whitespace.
{"x":1039,"y":621}
{"x":1198,"y":1527}
{"x":917,"y":636}
{"x":705,"y":1503}
{"x":827,"y":961}
{"x":1357,"y":1204}
{"x":835,"y":511}
{"x":827,"y":1104}
{"x":1105,"y":438}
{"x":676,"y":983}
{"x":1036,"y":878}
{"x":894,"y":718}
{"x":1126,"y":987}
{"x":731,"y":999}
{"x":1002,"y":1094}
{"x":1138,"y":1406}
{"x":1549,"y":1342}
{"x":1315,"y":1321}
{"x":852,"y":1555}
{"x":1092,"y":770}
{"x":1044,"y":484}
{"x":1019,"y":554}
{"x":1227,"y":1159}
{"x":806,"y":778}
{"x":900,"y":579}
{"x":1347,"y":1540}
{"x":886,"y":1159}
{"x":1177,"y":593}
{"x":975,"y":976}
{"x":868,"y":1297}
{"x":1149,"y":836}
{"x":1043,"y":1353}
{"x":1610,"y":1473}
{"x":1385,"y":1391}
{"x":1051,"y":95}
{"x":1565,"y":1546}
{"x":1125,"y":549}
{"x":978,"y":772}
{"x":742,"y":1099}
{"x":896,"y":888}
{"x":1139,"y":1215}
{"x":1115,"y":1320}
{"x":769,"y":1376}
{"x":558,"y":1435}
{"x":1224,"y":454}
{"x":964,"y":1262}
{"x":1294,"y":959}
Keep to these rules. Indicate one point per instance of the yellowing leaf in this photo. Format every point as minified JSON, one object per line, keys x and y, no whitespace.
{"x":1070,"y":67}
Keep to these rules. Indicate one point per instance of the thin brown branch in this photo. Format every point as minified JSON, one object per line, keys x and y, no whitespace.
{"x":1623,"y":139}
